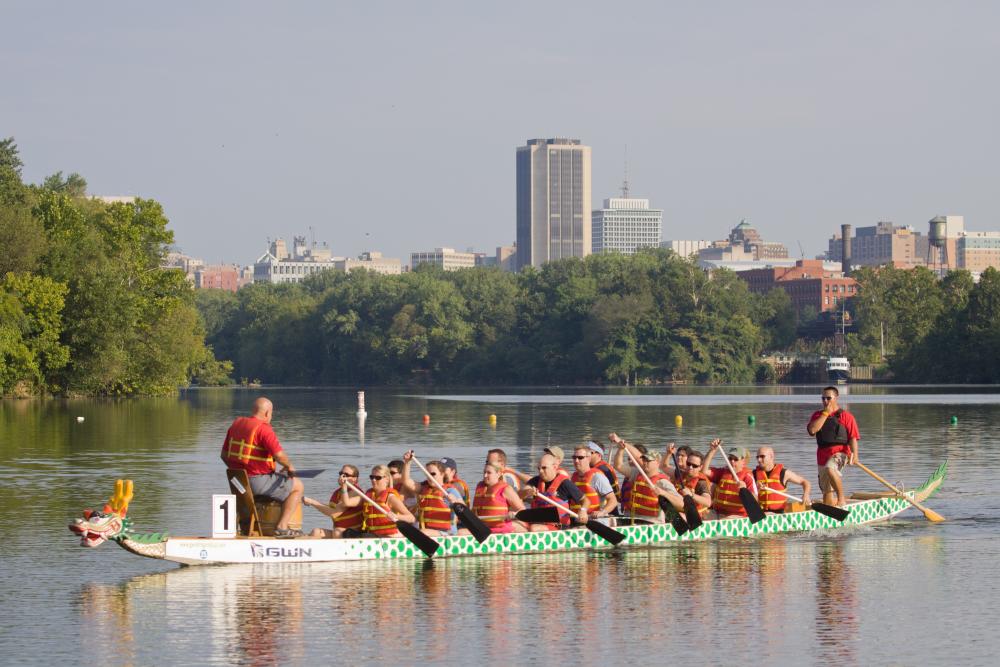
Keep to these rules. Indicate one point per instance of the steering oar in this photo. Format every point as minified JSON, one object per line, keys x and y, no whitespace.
{"x":929,"y":513}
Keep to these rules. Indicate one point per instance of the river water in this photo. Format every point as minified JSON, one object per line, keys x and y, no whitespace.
{"x":907,"y":592}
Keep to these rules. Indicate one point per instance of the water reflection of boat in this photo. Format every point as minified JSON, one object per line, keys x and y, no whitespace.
{"x":838,"y":369}
{"x":205,"y":550}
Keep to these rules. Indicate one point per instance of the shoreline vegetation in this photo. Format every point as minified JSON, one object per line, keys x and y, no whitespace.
{"x":86,"y":309}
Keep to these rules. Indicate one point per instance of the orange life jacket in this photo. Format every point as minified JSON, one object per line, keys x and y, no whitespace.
{"x":240,"y":450}
{"x":433,"y":510}
{"x":551,"y":490}
{"x":490,"y":505}
{"x":727,"y":494}
{"x":583,"y":483}
{"x":770,"y":502}
{"x":645,"y":500}
{"x":462,"y":488}
{"x":351,"y":517}
{"x":693,"y":485}
{"x":377,"y":523}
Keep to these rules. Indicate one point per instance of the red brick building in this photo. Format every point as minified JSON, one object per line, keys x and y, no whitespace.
{"x":217,"y":277}
{"x":807,"y":284}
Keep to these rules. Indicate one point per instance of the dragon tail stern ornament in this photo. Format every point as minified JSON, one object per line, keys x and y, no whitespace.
{"x":97,"y":527}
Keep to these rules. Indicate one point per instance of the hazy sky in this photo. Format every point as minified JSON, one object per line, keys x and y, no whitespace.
{"x":393,"y":126}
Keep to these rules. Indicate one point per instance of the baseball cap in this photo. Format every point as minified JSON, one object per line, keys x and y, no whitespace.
{"x":449,"y":463}
{"x":556,"y":452}
{"x":739,"y":452}
{"x":594,"y":447}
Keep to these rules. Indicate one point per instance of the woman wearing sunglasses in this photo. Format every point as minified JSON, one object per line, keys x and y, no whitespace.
{"x":378,"y":524}
{"x":433,"y":510}
{"x":344,"y":507}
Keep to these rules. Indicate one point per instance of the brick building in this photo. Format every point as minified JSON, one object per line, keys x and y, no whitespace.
{"x":807,"y":284}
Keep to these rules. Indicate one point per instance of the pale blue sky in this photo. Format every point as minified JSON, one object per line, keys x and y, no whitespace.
{"x":400,"y":120}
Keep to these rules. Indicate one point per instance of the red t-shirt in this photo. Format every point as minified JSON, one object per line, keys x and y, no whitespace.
{"x":823,"y":454}
{"x":264,"y":437}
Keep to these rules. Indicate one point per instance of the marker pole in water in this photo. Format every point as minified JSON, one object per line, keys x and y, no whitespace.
{"x":361,"y":405}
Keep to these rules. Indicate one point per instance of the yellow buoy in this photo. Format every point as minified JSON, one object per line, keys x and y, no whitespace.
{"x":678,"y":421}
{"x":493,"y":419}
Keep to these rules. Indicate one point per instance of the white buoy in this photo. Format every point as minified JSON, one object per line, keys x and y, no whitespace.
{"x":79,"y":419}
{"x":361,"y":405}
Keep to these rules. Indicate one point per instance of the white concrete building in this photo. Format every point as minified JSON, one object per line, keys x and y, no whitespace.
{"x":373,"y":261}
{"x":624,"y":225}
{"x":446,"y":258}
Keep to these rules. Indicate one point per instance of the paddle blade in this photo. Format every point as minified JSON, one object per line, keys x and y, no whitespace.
{"x":426,"y":544}
{"x":538,"y":515}
{"x":691,"y":512}
{"x":930,"y":514}
{"x":751,"y":505}
{"x":471,"y":522}
{"x":837,"y":513}
{"x":679,"y":524}
{"x":606,"y":532}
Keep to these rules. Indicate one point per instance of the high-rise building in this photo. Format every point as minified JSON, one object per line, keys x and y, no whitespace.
{"x":881,"y":244}
{"x":553,"y":201}
{"x":624,"y":225}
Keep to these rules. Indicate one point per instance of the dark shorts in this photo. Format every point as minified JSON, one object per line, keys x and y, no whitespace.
{"x":273,"y":485}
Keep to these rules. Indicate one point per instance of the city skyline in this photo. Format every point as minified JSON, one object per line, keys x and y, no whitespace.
{"x":391,"y":127}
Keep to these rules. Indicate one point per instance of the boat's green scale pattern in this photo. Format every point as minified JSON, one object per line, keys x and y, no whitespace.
{"x":564,"y":540}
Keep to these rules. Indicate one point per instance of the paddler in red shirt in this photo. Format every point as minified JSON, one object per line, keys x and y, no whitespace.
{"x":251,"y":445}
{"x":837,"y":438}
{"x":726,"y":496}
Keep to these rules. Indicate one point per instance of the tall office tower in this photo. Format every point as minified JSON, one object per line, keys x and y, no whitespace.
{"x":553,"y":201}
{"x":624,"y":225}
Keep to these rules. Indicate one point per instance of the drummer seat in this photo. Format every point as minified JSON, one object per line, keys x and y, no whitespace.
{"x":246,"y":508}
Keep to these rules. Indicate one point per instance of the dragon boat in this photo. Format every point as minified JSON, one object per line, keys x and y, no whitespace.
{"x":113,"y":524}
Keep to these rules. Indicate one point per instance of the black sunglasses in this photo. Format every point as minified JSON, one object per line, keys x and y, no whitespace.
{"x":826,"y":398}
{"x":347,"y":474}
{"x":374,"y":478}
{"x":580,"y":458}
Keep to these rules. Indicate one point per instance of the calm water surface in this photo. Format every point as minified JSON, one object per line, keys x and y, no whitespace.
{"x":907,"y":592}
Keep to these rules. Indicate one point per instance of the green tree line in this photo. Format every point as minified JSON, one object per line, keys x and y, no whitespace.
{"x":84,"y":306}
{"x":930,"y":329}
{"x":615,"y":319}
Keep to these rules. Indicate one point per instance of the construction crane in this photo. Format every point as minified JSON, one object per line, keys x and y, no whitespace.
{"x":802,"y":253}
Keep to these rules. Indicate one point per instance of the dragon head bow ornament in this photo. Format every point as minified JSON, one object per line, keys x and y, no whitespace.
{"x":110,"y":523}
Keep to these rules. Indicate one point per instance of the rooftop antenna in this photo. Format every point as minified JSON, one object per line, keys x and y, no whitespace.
{"x":625,"y":187}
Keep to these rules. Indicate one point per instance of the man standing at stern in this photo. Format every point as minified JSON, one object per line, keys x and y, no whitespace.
{"x":837,"y":438}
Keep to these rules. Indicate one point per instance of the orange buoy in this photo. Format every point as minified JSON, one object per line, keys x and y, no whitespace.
{"x":427,"y":419}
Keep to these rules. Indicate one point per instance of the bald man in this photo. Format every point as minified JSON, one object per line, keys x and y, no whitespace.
{"x":771,"y":475}
{"x":251,"y":445}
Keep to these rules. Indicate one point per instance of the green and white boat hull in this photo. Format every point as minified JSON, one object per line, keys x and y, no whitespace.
{"x":203,"y":550}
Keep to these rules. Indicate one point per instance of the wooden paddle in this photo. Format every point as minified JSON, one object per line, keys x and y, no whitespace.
{"x":593,"y":525}
{"x":426,"y":544}
{"x":929,"y":513}
{"x":677,"y":522}
{"x":466,"y":517}
{"x":750,"y":503}
{"x":691,"y":512}
{"x":837,"y":513}
{"x":538,"y":515}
